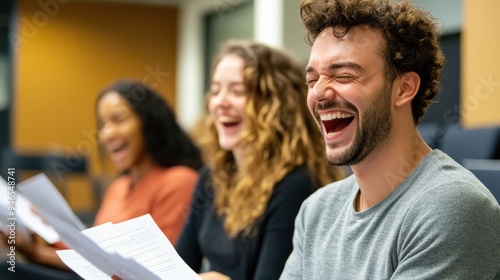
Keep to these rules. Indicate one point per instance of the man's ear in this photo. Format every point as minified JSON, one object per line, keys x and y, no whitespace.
{"x":408,"y":88}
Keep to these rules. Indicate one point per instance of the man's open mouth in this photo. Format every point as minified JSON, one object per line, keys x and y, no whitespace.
{"x":335,"y":122}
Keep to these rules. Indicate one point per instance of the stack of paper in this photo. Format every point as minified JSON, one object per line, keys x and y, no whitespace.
{"x":139,"y":239}
{"x":134,"y":249}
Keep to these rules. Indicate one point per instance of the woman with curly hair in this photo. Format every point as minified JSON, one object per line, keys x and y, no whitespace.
{"x":263,"y":161}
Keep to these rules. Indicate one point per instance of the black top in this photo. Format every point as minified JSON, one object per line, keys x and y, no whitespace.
{"x":260,"y":256}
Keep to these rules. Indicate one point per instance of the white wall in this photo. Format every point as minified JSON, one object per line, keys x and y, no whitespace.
{"x":190,"y":61}
{"x":268,"y":21}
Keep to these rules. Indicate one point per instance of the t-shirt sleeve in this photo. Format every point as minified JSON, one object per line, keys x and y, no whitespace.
{"x":450,"y":235}
{"x":279,"y":224}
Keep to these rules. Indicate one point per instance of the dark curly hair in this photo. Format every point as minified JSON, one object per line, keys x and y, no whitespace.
{"x":165,"y":140}
{"x":411,"y":36}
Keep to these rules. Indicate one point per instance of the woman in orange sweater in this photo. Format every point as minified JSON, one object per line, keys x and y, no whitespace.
{"x":159,"y":161}
{"x":158,"y":166}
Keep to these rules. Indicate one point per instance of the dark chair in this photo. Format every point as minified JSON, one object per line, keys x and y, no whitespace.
{"x":488,"y":172}
{"x":477,"y":143}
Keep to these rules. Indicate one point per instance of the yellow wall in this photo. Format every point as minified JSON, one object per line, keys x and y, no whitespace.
{"x":66,"y":53}
{"x":480,"y":97}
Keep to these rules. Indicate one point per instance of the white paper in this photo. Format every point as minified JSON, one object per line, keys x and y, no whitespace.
{"x":47,"y":199}
{"x":139,"y":239}
{"x":80,"y":265}
{"x":6,"y":225}
{"x":23,"y":215}
{"x":108,"y":263}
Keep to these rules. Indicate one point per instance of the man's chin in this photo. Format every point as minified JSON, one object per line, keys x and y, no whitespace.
{"x":340,"y":158}
{"x":335,"y":155}
{"x":335,"y":160}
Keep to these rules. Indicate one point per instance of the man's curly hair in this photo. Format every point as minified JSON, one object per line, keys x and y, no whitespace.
{"x":411,"y":36}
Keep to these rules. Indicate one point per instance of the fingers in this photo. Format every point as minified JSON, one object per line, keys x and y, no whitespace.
{"x":35,"y":211}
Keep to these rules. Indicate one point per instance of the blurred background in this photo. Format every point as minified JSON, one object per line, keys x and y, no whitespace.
{"x":56,"y":56}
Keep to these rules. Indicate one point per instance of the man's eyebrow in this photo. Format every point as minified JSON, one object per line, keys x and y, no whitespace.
{"x":338,"y":65}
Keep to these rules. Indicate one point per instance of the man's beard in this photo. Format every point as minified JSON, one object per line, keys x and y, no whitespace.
{"x":375,"y":127}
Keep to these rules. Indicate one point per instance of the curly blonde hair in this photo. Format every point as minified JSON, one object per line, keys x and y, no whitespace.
{"x":280,"y":136}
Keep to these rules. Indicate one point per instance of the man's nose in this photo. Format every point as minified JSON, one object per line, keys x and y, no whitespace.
{"x":323,"y":89}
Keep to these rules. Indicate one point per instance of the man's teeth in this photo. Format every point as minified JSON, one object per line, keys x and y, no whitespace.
{"x":336,"y":115}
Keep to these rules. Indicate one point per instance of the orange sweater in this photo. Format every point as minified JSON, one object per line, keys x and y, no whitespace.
{"x":165,"y":193}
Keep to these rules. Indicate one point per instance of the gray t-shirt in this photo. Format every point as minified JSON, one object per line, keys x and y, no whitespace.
{"x":440,"y":223}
